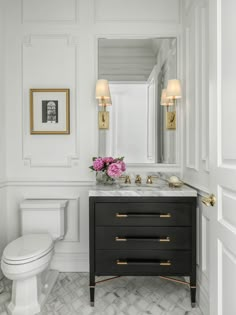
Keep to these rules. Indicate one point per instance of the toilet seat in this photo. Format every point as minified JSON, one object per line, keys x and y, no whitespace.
{"x":27,"y":248}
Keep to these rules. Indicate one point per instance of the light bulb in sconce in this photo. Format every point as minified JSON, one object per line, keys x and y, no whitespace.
{"x":166,"y":101}
{"x":104,"y":99}
{"x":173,"y":90}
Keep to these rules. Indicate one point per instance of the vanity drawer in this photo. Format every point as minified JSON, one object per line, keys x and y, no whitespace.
{"x":143,"y":238}
{"x":143,"y":214}
{"x":146,"y":262}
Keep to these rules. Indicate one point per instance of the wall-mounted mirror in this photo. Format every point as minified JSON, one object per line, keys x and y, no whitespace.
{"x":137,"y":71}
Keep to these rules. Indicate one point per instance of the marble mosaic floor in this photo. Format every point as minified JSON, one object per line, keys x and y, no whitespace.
{"x":122,"y":296}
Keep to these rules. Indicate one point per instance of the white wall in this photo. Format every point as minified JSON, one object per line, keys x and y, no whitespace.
{"x":2,"y":135}
{"x":196,"y":128}
{"x":53,"y":44}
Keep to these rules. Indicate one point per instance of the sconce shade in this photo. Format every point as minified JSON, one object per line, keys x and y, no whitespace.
{"x":102,"y":90}
{"x":164,"y":100}
{"x":173,"y":89}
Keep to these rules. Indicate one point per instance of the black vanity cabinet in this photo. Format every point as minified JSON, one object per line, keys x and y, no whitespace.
{"x":143,"y":236}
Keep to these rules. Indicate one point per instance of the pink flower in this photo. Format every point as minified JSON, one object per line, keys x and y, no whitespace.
{"x":114,"y":170}
{"x":98,"y":164}
{"x":108,"y":160}
{"x":123,"y":166}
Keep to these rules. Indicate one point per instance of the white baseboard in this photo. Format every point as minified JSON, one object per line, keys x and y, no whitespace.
{"x":70,"y":262}
{"x":203,"y":300}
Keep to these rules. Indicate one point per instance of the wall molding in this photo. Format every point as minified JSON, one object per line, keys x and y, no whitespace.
{"x":192,"y":165}
{"x":74,"y":20}
{"x":71,"y":159}
{"x":133,"y":20}
{"x":58,"y":183}
{"x":3,"y":184}
{"x":71,"y":262}
{"x":203,"y":300}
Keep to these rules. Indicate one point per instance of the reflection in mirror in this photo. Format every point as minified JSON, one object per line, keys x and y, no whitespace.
{"x":137,"y":71}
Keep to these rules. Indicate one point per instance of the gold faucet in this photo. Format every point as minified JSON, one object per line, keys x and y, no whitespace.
{"x":138,"y":179}
{"x":150,"y":178}
{"x":127,"y":179}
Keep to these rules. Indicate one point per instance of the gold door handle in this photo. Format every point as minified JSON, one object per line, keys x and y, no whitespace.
{"x":209,"y":200}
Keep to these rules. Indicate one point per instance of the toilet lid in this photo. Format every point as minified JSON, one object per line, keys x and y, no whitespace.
{"x":28,"y":247}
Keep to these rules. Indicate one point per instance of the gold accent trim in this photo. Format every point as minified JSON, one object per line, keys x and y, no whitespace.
{"x":118,"y":262}
{"x":168,"y":215}
{"x":167,"y":263}
{"x":118,"y":215}
{"x":138,"y":179}
{"x":35,"y":132}
{"x":120,"y":239}
{"x":92,"y":286}
{"x":127,"y":179}
{"x":167,"y":239}
{"x":175,"y":280}
{"x":150,"y":178}
{"x":103,"y":120}
{"x":171,"y":120}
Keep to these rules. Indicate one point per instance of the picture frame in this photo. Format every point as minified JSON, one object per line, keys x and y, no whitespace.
{"x":49,"y":111}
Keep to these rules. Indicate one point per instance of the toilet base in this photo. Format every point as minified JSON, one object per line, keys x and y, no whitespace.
{"x":29,"y":296}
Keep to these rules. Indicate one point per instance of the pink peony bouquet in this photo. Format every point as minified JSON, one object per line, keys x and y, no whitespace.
{"x":111,"y":167}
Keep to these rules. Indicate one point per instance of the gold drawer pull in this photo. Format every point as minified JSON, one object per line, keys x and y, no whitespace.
{"x":143,"y":215}
{"x":168,"y":215}
{"x":165,"y":263}
{"x":160,"y":263}
{"x":119,"y":262}
{"x":118,"y":215}
{"x":146,"y":239}
{"x":166,"y":239}
{"x":121,"y":239}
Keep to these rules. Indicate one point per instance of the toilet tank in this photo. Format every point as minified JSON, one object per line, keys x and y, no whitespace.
{"x":43,"y":216}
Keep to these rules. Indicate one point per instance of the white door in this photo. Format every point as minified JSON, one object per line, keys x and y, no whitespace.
{"x":223,"y":156}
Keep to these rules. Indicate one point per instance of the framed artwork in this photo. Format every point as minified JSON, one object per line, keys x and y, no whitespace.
{"x":49,"y":111}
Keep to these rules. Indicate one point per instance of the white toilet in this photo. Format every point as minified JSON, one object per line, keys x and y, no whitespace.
{"x":26,"y":260}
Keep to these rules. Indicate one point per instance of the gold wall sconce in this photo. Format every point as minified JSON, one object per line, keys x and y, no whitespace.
{"x":104,"y":99}
{"x":169,"y":97}
{"x":173,"y":91}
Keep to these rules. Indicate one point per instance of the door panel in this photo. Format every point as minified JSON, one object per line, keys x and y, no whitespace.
{"x":222,"y":64}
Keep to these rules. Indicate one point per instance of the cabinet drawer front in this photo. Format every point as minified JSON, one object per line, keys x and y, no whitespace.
{"x":143,"y":214}
{"x":143,"y":238}
{"x":146,"y":262}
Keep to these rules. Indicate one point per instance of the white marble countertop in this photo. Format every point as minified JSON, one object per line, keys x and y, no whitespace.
{"x":141,"y":191}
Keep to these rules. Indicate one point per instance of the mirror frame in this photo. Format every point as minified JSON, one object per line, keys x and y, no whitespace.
{"x":101,"y":134}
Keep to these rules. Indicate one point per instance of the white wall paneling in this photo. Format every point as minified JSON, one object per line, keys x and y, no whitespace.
{"x":196,"y":93}
{"x":49,"y":11}
{"x":3,"y":191}
{"x":51,"y":44}
{"x":226,"y":113}
{"x":226,"y":263}
{"x":137,"y":10}
{"x":60,"y":51}
{"x":196,"y":129}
